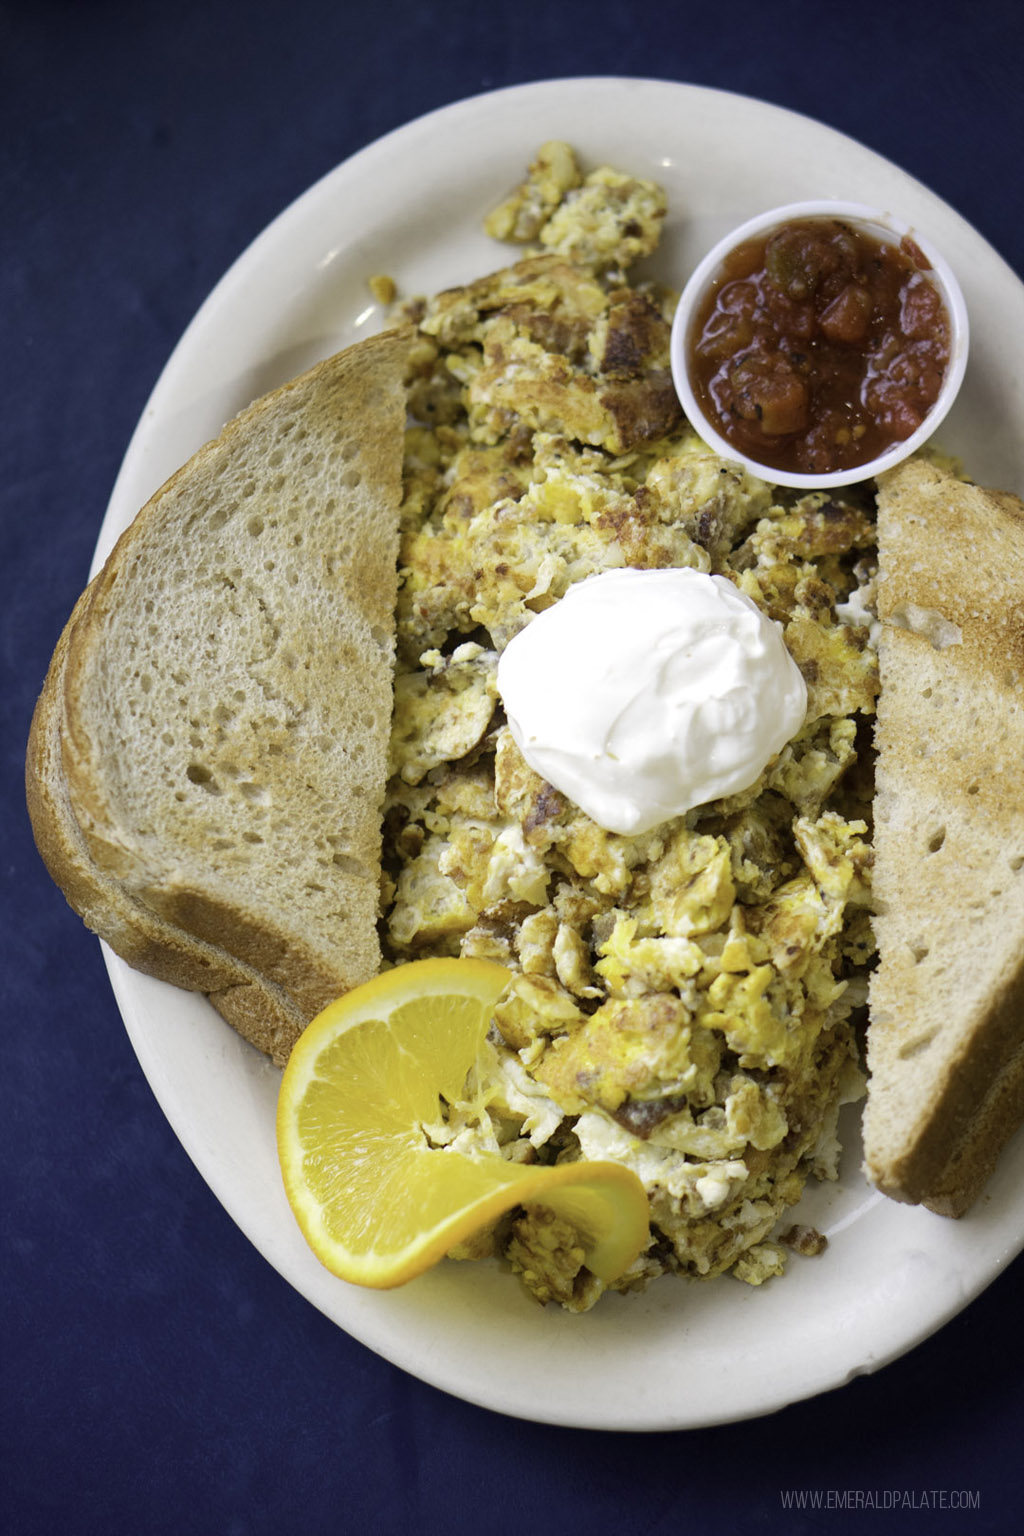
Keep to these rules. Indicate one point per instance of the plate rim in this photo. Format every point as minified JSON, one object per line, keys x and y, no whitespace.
{"x":133,"y":998}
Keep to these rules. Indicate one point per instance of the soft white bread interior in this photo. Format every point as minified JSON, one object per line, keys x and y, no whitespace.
{"x":946,"y":1033}
{"x":208,"y":758}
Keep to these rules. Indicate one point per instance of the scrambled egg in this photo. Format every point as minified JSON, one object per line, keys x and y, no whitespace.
{"x":683,"y":1001}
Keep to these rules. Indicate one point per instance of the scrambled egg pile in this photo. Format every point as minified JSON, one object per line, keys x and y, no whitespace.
{"x":683,"y":1001}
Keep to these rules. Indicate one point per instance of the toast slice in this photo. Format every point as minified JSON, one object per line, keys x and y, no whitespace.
{"x":208,"y":756}
{"x":946,"y":1032}
{"x":261,"y":1012}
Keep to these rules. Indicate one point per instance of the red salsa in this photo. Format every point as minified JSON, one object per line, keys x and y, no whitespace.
{"x":819,"y":346}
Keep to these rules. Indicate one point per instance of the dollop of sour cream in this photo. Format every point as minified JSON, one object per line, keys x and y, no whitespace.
{"x":641,"y":694}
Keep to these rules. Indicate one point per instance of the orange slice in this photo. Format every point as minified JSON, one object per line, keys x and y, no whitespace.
{"x":376,"y":1201}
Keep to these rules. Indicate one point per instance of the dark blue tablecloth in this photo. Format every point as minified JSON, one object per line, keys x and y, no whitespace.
{"x":158,"y":1375}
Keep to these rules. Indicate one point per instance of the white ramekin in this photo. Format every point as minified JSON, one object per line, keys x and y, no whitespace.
{"x":885,"y":226}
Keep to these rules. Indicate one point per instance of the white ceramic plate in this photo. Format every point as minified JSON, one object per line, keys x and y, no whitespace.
{"x":684,"y":1353}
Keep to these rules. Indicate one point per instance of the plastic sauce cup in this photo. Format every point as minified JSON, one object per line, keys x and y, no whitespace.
{"x":882,"y":226}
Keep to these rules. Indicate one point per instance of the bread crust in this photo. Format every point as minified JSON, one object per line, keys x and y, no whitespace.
{"x":265,"y":981}
{"x":946,"y":1037}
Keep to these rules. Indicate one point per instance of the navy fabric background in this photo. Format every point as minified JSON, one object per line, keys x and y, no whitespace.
{"x":157,"y":1375}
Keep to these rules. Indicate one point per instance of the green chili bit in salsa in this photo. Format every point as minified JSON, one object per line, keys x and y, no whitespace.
{"x":819,"y":346}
